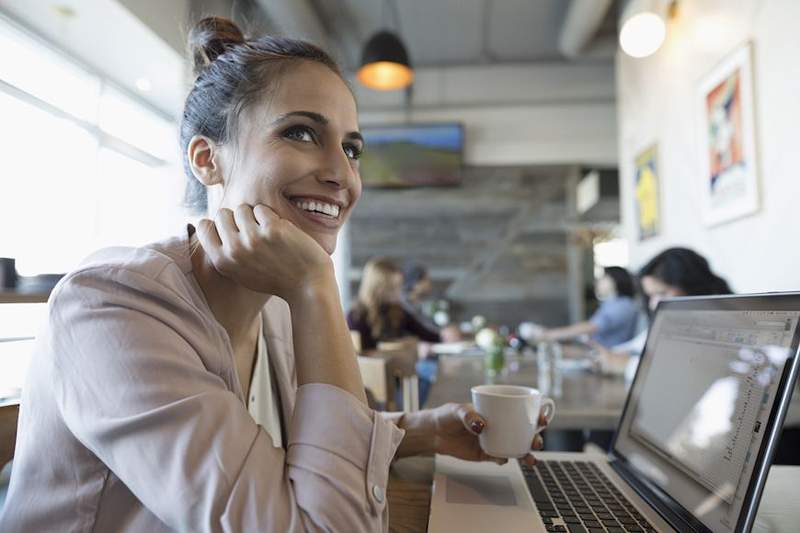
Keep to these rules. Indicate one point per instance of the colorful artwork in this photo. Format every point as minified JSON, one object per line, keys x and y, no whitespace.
{"x":647,"y":193}
{"x":729,"y":179}
{"x":408,"y":155}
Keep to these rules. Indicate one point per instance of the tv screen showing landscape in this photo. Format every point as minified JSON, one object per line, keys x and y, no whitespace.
{"x":412,"y":155}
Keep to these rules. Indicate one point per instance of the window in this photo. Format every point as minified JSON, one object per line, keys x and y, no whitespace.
{"x":83,"y":161}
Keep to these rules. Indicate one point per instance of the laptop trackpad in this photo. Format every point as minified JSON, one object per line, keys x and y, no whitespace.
{"x":481,"y":490}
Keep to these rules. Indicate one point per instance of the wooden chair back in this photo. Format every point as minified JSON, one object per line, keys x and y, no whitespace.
{"x":9,"y":415}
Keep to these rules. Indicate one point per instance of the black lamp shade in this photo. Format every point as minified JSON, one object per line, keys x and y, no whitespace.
{"x":384,"y":63}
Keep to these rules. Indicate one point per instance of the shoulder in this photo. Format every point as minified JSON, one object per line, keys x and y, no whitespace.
{"x":116,"y":274}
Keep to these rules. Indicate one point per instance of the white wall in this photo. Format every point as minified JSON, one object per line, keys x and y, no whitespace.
{"x":513,"y":114}
{"x":656,"y":103}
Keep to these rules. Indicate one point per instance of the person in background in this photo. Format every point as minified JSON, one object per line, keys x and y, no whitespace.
{"x":379,"y":313}
{"x":208,"y":382}
{"x":617,"y":318}
{"x":673,"y":272}
{"x":417,"y":286}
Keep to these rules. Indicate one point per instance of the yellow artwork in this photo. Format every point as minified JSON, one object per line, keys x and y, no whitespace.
{"x":648,"y":213}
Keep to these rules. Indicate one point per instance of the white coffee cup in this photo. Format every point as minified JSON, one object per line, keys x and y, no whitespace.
{"x":512,"y":418}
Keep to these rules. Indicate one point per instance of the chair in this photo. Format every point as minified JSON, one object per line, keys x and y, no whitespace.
{"x":404,"y":353}
{"x":9,"y":414}
{"x":8,"y":437}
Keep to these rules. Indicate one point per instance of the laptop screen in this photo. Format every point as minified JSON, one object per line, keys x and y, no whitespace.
{"x":701,"y":403}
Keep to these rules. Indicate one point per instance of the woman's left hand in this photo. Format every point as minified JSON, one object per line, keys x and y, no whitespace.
{"x":456,"y":428}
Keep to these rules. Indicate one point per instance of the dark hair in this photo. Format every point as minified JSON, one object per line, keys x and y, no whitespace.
{"x":413,"y":273}
{"x":231,"y":73}
{"x":623,"y":281}
{"x":687,"y":270}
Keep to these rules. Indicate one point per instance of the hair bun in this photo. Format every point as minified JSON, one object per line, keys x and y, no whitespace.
{"x":209,"y":38}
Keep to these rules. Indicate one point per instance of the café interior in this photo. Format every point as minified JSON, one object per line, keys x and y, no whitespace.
{"x":538,"y":177}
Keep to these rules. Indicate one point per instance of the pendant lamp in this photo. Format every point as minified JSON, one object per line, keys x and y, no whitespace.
{"x":384,"y":63}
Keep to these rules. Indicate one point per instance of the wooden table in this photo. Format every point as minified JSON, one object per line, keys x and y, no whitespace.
{"x":411,"y":479}
{"x":584,"y":400}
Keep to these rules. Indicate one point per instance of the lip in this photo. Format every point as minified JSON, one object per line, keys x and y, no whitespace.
{"x":319,"y":219}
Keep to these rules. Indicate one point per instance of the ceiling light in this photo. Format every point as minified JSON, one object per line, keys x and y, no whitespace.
{"x":144,"y":85}
{"x":644,"y":26}
{"x":384,"y":63}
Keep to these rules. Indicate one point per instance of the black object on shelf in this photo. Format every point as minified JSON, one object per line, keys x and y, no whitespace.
{"x":8,"y":273}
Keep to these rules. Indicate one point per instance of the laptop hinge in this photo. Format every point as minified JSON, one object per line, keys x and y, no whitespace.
{"x":647,"y":494}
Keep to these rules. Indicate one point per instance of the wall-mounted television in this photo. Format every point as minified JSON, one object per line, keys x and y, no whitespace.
{"x":410,"y":155}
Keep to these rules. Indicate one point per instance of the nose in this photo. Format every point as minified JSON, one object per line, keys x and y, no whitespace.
{"x":337,"y":170}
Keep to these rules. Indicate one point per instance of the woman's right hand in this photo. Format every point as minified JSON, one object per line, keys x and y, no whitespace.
{"x":262,"y":251}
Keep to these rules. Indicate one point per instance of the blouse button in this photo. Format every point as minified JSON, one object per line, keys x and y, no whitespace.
{"x":378,"y":493}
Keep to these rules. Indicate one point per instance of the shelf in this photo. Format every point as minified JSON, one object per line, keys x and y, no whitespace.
{"x":10,"y":296}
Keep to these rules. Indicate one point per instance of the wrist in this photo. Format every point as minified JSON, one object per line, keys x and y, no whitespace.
{"x":420,"y":437}
{"x":314,"y":289}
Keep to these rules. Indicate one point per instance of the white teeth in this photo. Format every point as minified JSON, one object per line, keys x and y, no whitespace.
{"x":319,"y":207}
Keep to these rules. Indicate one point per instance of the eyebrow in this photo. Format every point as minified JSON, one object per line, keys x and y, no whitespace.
{"x":319,"y":119}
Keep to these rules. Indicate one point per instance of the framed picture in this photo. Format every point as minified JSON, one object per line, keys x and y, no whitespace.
{"x":729,"y":177}
{"x":648,"y":211}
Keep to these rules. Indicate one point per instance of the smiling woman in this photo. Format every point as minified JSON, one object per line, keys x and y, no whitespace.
{"x":208,"y":382}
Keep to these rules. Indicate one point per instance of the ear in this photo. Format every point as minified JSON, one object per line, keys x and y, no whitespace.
{"x":203,"y":156}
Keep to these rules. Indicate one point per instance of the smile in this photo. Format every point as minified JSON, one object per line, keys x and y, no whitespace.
{"x":316,"y":206}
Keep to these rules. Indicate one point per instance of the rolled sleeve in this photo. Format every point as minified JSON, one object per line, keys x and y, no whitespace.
{"x":345,"y":441}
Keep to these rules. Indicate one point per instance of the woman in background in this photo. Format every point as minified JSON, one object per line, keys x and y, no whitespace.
{"x":672,"y":273}
{"x":379,"y":314}
{"x":617,"y":318}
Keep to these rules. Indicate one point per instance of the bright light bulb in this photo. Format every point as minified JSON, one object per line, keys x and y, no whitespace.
{"x":385,"y":75}
{"x":144,"y":85}
{"x":642,"y":34}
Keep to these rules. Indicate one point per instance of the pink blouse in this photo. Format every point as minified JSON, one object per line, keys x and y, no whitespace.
{"x":133,"y":418}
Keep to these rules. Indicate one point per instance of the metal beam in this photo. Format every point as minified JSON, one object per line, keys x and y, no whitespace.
{"x":580,"y":25}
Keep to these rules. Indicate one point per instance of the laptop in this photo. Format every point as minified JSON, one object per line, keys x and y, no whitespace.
{"x":693,"y":446}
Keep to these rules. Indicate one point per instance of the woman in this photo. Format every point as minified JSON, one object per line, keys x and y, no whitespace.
{"x":135,"y":413}
{"x":379,"y":314}
{"x":616,"y":319}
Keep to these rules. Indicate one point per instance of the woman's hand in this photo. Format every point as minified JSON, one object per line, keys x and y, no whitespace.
{"x":453,"y":429}
{"x":261,"y":251}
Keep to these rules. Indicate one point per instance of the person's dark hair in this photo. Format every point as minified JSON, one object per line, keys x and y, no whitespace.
{"x":232,"y":72}
{"x":623,"y":281}
{"x":687,"y":270}
{"x":413,"y":273}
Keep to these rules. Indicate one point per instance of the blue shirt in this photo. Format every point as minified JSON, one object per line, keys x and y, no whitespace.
{"x":616,"y":321}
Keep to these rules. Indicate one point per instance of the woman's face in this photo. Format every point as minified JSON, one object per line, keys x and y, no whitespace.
{"x":394,"y":289}
{"x":604,"y":288}
{"x":656,"y":290}
{"x":297,"y":152}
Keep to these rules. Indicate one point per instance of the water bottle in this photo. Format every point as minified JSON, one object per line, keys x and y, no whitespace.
{"x":555,"y":369}
{"x":543,"y":367}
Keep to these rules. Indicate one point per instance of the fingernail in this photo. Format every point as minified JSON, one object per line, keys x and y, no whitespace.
{"x":477,"y":426}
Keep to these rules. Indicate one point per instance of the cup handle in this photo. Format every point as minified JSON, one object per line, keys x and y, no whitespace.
{"x":549,"y":411}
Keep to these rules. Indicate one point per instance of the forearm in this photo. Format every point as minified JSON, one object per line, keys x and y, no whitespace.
{"x":324,"y":351}
{"x":568,"y":332}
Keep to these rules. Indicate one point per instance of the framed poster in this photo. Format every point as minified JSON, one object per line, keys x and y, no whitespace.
{"x":728,"y":178}
{"x":648,"y":212}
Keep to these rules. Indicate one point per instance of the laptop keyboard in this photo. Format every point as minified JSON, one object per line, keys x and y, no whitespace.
{"x":576,"y":496}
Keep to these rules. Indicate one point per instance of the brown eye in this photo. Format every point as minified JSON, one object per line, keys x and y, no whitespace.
{"x":352,"y":151}
{"x":299,"y":133}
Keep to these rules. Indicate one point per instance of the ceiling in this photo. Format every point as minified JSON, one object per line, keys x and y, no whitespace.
{"x":442,"y":33}
{"x":149,"y":34}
